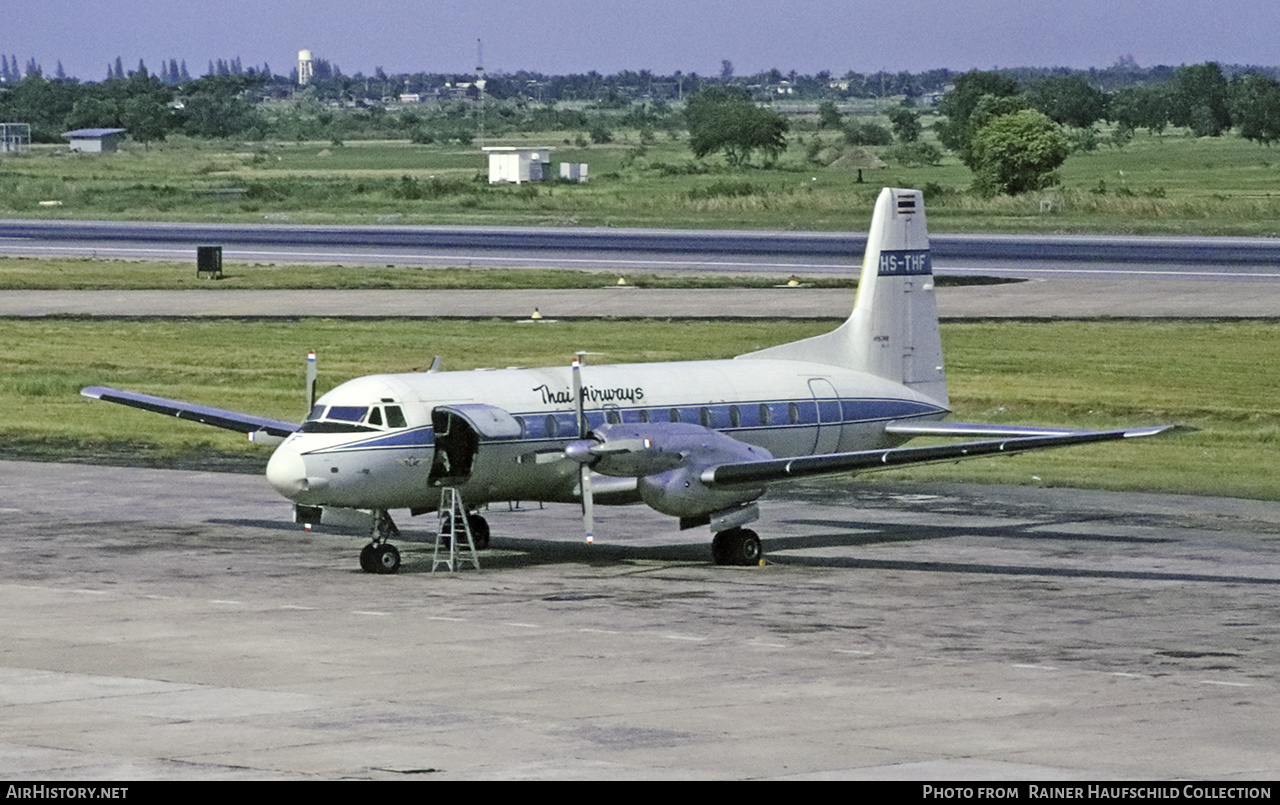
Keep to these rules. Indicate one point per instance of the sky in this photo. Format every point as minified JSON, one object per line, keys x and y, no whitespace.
{"x":574,"y":36}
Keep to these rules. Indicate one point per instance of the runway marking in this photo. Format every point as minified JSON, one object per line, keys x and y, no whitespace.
{"x":224,"y":601}
{"x":523,"y":625}
{"x":859,"y":652}
{"x":1225,"y":684}
{"x":445,"y":618}
{"x":600,"y":631}
{"x":1128,"y":675}
{"x":297,"y":607}
{"x":1027,"y":667}
{"x":370,"y":612}
{"x":690,"y":638}
{"x":91,"y":592}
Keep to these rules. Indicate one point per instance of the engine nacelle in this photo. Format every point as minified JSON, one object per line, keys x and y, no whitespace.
{"x":681,"y":493}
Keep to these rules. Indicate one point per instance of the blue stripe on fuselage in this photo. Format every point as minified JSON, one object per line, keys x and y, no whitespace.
{"x":834,"y":412}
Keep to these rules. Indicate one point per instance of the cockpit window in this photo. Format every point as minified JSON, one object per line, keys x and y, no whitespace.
{"x":347,"y":413}
{"x":395,"y":417}
{"x":353,"y":419}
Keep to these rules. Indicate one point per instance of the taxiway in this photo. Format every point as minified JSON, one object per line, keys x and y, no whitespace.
{"x":176,"y":625}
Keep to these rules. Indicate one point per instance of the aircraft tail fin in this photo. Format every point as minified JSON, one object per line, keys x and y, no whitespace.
{"x":893,"y":330}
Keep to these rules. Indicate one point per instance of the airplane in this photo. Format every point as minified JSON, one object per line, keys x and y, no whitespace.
{"x":697,"y":440}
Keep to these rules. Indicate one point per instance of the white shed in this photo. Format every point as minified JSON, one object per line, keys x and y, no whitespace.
{"x":518,"y":164}
{"x":94,"y":141}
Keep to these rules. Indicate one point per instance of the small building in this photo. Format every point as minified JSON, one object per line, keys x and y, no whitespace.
{"x":518,"y":164}
{"x":15,"y":138}
{"x":95,"y":141}
{"x":573,"y":172}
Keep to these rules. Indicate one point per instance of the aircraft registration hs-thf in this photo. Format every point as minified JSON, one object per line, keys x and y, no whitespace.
{"x":696,"y":440}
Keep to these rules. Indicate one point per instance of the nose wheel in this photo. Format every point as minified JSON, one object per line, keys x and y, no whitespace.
{"x":380,"y":556}
{"x":384,"y":558}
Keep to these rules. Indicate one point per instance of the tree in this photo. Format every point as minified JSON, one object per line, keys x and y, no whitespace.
{"x":725,"y":119}
{"x":1017,"y":152}
{"x":829,"y":116}
{"x":1068,"y":100}
{"x":906,"y":124}
{"x":1255,"y":108}
{"x":963,"y":100}
{"x":1141,"y":107}
{"x":974,"y":92}
{"x":1199,"y":100}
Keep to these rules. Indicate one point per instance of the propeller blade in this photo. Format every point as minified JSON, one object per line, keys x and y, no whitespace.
{"x":579,"y":413}
{"x":588,"y":504}
{"x":311,"y":381}
{"x":584,"y":469}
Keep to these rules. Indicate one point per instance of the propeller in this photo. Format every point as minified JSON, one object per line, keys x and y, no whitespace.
{"x":584,"y":467}
{"x":311,"y":381}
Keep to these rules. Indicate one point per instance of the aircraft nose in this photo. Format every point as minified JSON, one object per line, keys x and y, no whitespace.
{"x":287,"y":472}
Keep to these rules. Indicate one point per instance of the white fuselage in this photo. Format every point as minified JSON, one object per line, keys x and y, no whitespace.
{"x":790,"y":408}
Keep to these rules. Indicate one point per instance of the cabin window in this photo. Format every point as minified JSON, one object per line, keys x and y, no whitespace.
{"x":613,"y":417}
{"x":552,"y":427}
{"x":764,"y":414}
{"x":704,"y":417}
{"x":395,"y":417}
{"x":674,"y":413}
{"x":793,"y":413}
{"x":643,"y":415}
{"x":735,"y":417}
{"x":524,"y":430}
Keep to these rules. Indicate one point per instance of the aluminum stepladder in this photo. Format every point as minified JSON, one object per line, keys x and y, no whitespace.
{"x":453,"y":523}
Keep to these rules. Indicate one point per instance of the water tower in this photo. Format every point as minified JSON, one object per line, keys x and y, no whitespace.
{"x":306,"y":68}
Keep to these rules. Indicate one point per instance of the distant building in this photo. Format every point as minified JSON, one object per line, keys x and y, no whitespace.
{"x":513,"y":164}
{"x":95,"y":141}
{"x":15,"y":138}
{"x":306,"y":67}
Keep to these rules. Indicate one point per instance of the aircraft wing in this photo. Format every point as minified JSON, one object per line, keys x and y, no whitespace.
{"x":757,"y":472}
{"x":972,"y":429}
{"x":218,"y":417}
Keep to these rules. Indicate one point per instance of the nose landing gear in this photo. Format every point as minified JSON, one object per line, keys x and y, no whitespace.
{"x":380,"y":556}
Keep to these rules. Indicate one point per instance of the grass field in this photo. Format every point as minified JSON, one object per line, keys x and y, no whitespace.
{"x":1213,"y":376}
{"x":1168,"y":184}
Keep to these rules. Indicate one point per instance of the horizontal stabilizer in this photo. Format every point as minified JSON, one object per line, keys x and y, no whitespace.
{"x":217,"y":417}
{"x":756,"y":472}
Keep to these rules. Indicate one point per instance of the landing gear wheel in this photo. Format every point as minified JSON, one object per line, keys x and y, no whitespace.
{"x":479,"y":531}
{"x":736,"y":546}
{"x":366,"y":558}
{"x":386,"y":559}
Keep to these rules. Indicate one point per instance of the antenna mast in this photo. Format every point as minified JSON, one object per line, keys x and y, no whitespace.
{"x":480,"y":85}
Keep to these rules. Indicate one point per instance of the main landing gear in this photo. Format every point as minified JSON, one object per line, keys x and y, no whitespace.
{"x":736,"y":546}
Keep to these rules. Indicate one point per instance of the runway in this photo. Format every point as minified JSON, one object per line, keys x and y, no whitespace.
{"x":164,"y":624}
{"x":775,"y":253}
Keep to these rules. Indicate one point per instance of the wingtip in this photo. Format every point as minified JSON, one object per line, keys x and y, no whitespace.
{"x":1154,"y":430}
